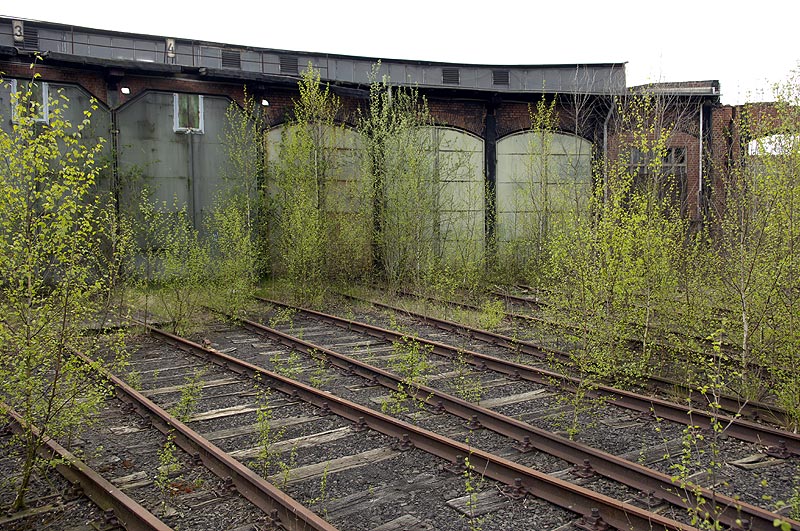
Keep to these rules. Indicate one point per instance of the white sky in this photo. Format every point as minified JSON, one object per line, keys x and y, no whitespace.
{"x":747,"y":46}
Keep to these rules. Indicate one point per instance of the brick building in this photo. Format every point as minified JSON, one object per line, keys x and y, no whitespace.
{"x":162,"y":104}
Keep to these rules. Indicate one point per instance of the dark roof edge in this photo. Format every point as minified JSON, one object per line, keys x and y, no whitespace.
{"x":228,"y":75}
{"x":709,"y":87}
{"x":56,"y":25}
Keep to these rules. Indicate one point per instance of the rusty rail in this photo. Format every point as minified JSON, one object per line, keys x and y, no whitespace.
{"x":655,"y":484}
{"x":278,"y":505}
{"x":128,"y":512}
{"x":734,"y":427}
{"x":732,"y":405}
{"x":521,"y":479}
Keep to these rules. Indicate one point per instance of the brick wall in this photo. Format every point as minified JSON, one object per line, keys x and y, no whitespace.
{"x":469,"y":115}
{"x":92,"y":81}
{"x":512,"y":118}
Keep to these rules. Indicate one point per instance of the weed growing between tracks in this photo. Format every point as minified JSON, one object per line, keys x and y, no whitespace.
{"x":466,"y":384}
{"x":701,"y":449}
{"x":267,"y":436}
{"x":321,"y":498}
{"x":287,"y":466}
{"x":410,"y":361}
{"x":289,"y":366}
{"x":168,"y":466}
{"x":472,"y":487}
{"x":190,"y":395}
{"x":793,"y":502}
{"x":320,"y":375}
{"x":134,"y":379}
{"x":283,"y":316}
{"x":582,"y":401}
{"x":492,"y":314}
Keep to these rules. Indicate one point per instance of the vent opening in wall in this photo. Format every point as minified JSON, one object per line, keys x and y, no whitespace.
{"x":500,"y":78}
{"x":31,"y":39}
{"x":289,"y":64}
{"x":231,"y":59}
{"x":451,"y":76}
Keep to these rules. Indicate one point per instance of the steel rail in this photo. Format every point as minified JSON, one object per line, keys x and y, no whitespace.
{"x":779,"y":440}
{"x":750,"y":408}
{"x":102,"y":492}
{"x":539,"y":303}
{"x":649,"y":482}
{"x":278,"y":505}
{"x":523,"y":479}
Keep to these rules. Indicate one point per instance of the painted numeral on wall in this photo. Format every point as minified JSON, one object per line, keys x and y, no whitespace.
{"x":19,"y":30}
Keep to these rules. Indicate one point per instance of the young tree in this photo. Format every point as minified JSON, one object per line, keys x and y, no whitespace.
{"x":616,"y":264}
{"x":244,"y":136}
{"x":237,"y":239}
{"x":527,"y":255}
{"x":55,"y":231}
{"x":175,"y":261}
{"x":757,"y":250}
{"x":299,"y":179}
{"x":233,"y":255}
{"x":400,"y":162}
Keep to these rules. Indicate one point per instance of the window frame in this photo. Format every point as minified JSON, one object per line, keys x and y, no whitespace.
{"x":675,"y":163}
{"x":176,"y":126}
{"x":45,"y":118}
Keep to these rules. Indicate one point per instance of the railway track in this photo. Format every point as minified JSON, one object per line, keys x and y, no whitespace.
{"x":663,"y":387}
{"x":444,"y":463}
{"x":436,"y":461}
{"x":506,"y":360}
{"x":321,"y":457}
{"x":509,"y":429}
{"x":239,"y":498}
{"x":703,"y":344}
{"x":146,"y":474}
{"x":115,"y":508}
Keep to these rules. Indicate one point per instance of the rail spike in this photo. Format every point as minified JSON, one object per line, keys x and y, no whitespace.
{"x":583,"y":471}
{"x":457,"y":467}
{"x":438,"y":408}
{"x":110,"y":517}
{"x":517,"y":491}
{"x":524,"y":446}
{"x":360,"y":425}
{"x":593,"y":522}
{"x":405,"y":443}
{"x":473,"y":423}
{"x":324,"y":410}
{"x":779,"y":451}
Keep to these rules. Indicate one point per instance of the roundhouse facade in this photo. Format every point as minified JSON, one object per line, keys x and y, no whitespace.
{"x":162,"y":103}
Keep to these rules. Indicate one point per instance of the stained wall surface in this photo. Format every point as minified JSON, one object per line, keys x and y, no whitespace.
{"x":541,"y":180}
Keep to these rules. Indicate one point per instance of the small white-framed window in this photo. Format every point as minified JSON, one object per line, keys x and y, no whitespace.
{"x":34,"y":95}
{"x":188,"y":113}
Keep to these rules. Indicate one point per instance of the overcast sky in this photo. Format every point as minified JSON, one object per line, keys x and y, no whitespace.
{"x":746,"y":49}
